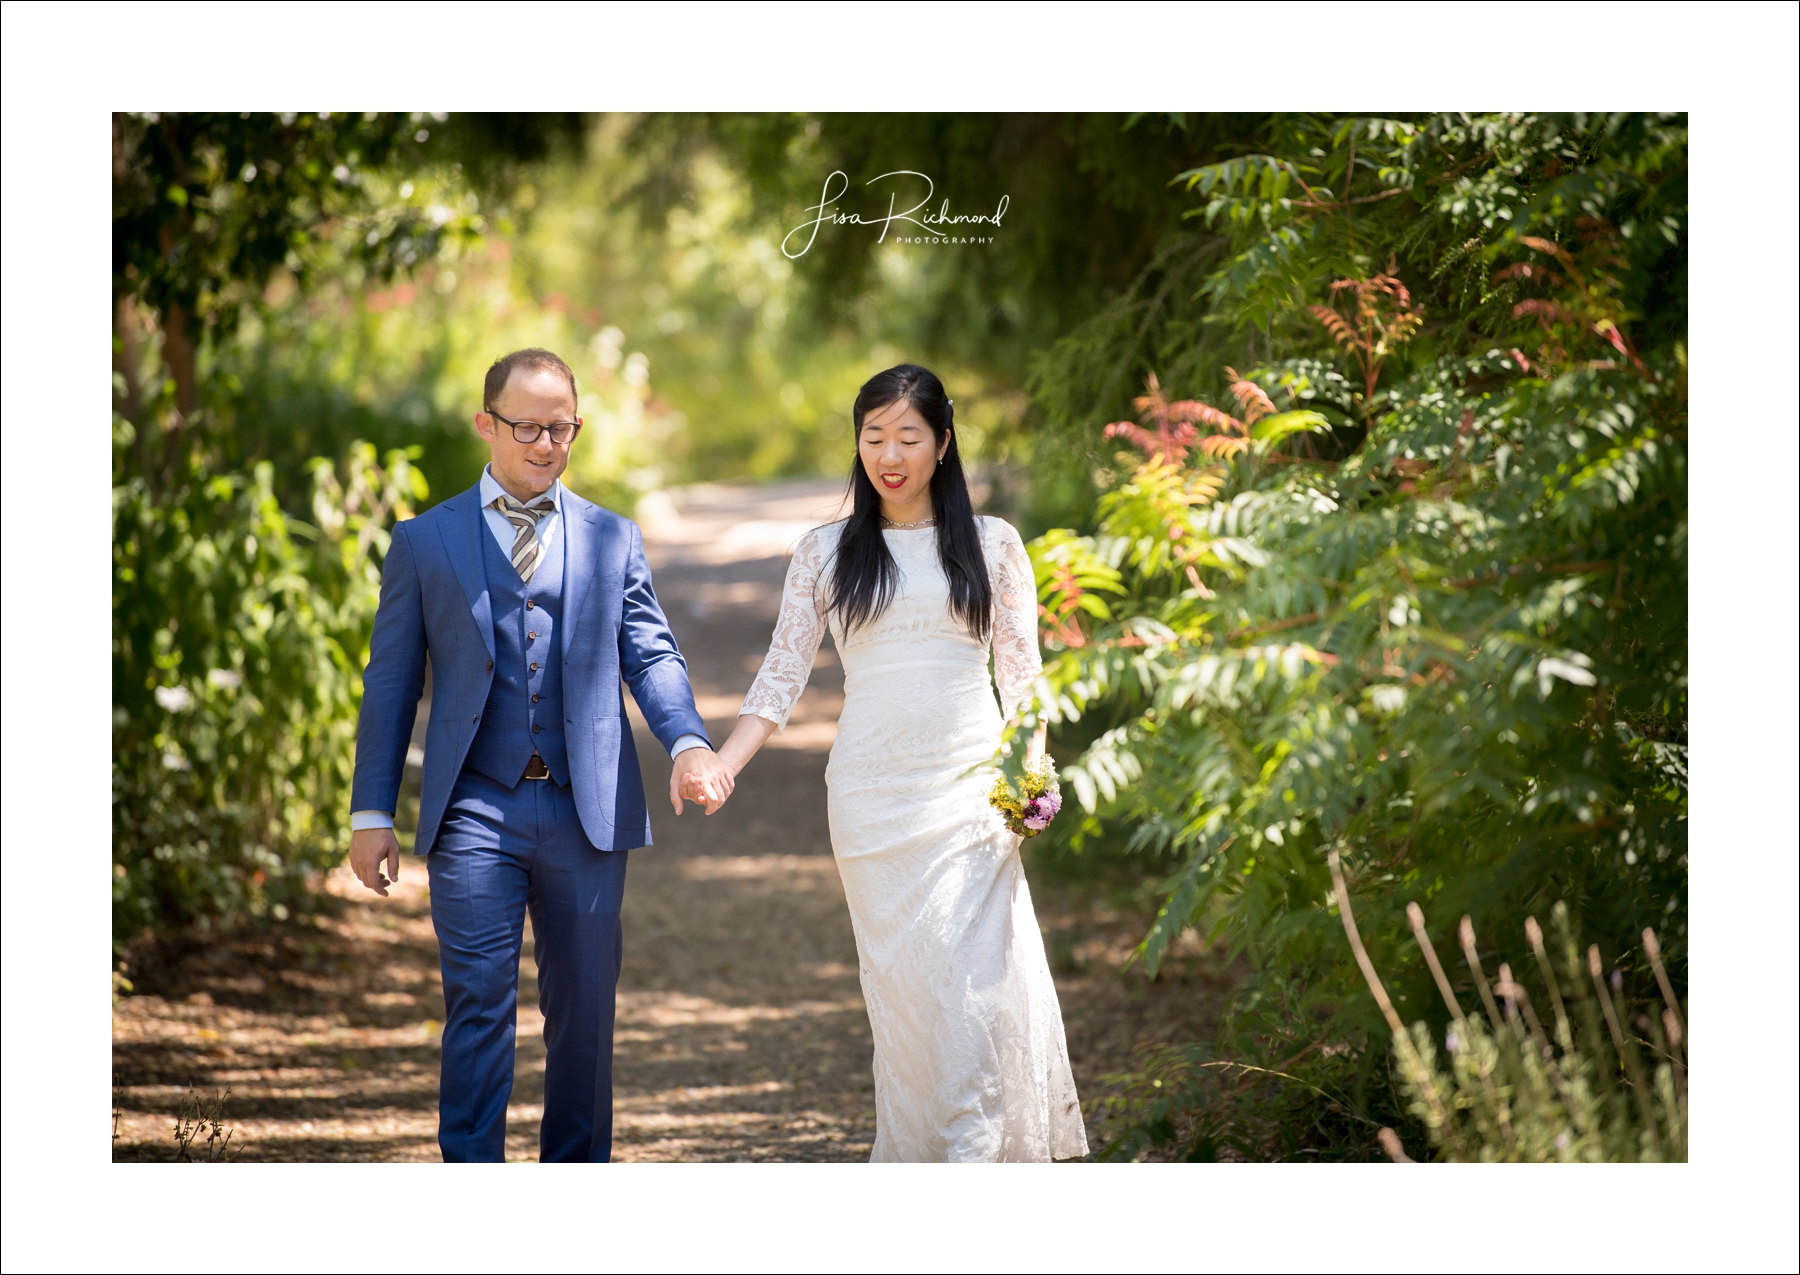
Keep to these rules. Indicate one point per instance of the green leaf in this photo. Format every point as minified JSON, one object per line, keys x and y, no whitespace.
{"x":1272,"y":429}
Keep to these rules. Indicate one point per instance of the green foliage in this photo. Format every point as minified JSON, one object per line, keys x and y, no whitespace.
{"x":208,"y":206}
{"x":1445,"y":198}
{"x":1185,"y":1103}
{"x":205,"y":204}
{"x":1456,"y":655}
{"x":239,"y":628}
{"x":239,"y":637}
{"x":1088,"y":203}
{"x":258,"y":284}
{"x":743,"y":388}
{"x":1089,"y":206}
{"x":267,"y":266}
{"x":288,"y":288}
{"x":402,"y":366}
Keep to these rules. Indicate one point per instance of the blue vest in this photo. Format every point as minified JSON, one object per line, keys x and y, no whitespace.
{"x":524,"y":712}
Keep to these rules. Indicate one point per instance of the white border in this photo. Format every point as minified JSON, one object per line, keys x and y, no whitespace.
{"x":67,"y":66}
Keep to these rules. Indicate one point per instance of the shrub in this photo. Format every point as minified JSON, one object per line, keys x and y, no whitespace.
{"x":239,"y":636}
{"x":1416,"y":597}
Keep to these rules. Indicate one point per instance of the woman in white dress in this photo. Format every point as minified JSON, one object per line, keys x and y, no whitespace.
{"x":970,"y":1060}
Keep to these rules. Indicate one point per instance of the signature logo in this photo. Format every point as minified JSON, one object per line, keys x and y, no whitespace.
{"x":934,"y":225}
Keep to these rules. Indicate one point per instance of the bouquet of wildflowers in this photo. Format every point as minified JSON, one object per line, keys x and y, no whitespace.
{"x":1029,"y":809}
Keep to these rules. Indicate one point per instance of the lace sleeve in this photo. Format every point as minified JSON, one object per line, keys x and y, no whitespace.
{"x":1015,"y":641}
{"x":798,"y":631}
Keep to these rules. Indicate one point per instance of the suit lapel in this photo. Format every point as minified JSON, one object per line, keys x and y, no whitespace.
{"x":580,"y":553}
{"x":462,"y":538}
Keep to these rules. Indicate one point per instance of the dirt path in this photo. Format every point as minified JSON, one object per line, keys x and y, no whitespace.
{"x":742,"y":1033}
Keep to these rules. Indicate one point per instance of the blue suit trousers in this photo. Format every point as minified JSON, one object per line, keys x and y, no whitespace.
{"x":499,"y":852}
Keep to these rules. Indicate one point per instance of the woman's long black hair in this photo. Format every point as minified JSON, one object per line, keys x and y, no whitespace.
{"x":865,"y":574}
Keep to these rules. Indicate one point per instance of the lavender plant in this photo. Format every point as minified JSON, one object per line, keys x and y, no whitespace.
{"x":1518,"y":1089}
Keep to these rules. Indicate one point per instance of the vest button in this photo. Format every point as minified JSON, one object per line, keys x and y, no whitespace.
{"x":532,"y":636}
{"x":530,"y":605}
{"x":537,"y":730}
{"x":534,"y":666}
{"x":534,"y":698}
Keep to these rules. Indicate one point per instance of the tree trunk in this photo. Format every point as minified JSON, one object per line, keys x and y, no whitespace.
{"x":178,"y":353}
{"x":128,"y":359}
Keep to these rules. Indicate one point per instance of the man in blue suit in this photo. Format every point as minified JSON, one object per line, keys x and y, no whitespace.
{"x":532,"y":604}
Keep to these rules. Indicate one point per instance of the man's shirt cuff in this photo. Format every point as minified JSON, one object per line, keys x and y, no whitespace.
{"x":686,"y":742}
{"x":361,"y":819}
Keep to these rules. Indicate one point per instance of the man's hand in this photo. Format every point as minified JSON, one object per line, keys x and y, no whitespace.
{"x":700,"y":777}
{"x":370,"y":849}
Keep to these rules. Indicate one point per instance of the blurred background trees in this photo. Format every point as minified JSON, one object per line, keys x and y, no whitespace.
{"x":1356,"y":447}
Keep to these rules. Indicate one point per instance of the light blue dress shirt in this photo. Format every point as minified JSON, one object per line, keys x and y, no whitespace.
{"x":504,"y":535}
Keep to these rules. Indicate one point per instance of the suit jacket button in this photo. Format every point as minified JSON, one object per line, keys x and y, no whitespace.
{"x":476,"y":718}
{"x":490,"y":666}
{"x":537,"y":730}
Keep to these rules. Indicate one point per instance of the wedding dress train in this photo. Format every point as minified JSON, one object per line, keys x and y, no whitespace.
{"x":970,"y":1059}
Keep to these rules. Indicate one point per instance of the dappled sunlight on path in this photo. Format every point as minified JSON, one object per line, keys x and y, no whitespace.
{"x":742,"y":1031}
{"x":327,"y":1038}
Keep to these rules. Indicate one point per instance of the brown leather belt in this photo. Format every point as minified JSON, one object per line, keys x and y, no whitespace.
{"x":535,"y":768}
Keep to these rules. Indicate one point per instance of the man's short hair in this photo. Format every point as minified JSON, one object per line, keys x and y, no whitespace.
{"x":534,"y":360}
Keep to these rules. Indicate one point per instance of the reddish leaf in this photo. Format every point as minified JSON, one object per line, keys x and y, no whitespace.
{"x":1251,"y":399}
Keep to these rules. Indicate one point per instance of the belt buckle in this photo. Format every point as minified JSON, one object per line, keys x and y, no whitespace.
{"x":535,"y":768}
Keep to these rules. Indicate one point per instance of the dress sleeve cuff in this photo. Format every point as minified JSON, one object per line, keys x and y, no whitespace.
{"x":361,"y":819}
{"x":776,"y":719}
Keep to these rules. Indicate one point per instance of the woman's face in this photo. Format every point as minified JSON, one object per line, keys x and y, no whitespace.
{"x":899,"y":453}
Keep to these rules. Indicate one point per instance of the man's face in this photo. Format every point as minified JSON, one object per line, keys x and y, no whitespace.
{"x":536,"y":396}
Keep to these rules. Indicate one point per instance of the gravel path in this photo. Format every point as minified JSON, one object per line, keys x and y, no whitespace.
{"x":742,"y":1033}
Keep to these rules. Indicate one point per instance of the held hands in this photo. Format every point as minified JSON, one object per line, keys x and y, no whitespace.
{"x":708,"y":778}
{"x":700,"y":777}
{"x":370,"y":850}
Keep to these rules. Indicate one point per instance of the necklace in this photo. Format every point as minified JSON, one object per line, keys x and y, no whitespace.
{"x":891,"y":525}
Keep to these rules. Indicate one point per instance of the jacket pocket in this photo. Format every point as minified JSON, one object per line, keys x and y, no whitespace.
{"x":604,"y":732}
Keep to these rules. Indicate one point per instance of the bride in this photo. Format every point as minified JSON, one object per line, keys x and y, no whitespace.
{"x":970,"y":1062}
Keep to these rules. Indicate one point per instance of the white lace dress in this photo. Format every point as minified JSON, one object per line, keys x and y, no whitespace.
{"x":970,"y":1061}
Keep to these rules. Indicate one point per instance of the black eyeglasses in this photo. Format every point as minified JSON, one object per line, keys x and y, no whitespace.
{"x":562,"y":433}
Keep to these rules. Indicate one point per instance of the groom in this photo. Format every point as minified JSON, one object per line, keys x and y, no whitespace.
{"x":532,"y":605}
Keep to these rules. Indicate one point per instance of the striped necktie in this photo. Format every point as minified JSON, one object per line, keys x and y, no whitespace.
{"x":525,"y":551}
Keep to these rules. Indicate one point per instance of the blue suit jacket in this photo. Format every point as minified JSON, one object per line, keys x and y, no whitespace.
{"x":434,"y":601}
